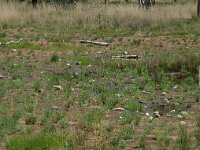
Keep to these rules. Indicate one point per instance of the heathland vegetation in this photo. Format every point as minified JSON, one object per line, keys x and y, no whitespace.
{"x":140,"y":92}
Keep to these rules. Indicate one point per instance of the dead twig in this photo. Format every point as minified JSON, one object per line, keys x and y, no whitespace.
{"x":11,"y":42}
{"x":127,"y":57}
{"x":94,"y":42}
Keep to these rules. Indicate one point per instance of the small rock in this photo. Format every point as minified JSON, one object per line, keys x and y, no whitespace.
{"x":125,"y":52}
{"x":1,"y":77}
{"x":163,"y":93}
{"x":58,"y":87}
{"x":145,"y":92}
{"x":147,"y":114}
{"x":68,"y":64}
{"x":165,"y":99}
{"x":120,"y":117}
{"x":99,"y":52}
{"x":157,"y":114}
{"x":119,"y":109}
{"x":182,"y":123}
{"x":54,"y":107}
{"x":180,"y":116}
{"x":172,"y":111}
{"x":77,"y":63}
{"x":175,"y":87}
{"x":14,"y":50}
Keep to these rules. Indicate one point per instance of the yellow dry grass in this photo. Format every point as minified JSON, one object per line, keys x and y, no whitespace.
{"x":94,"y":15}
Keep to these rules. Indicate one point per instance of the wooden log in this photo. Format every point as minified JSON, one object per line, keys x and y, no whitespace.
{"x":198,"y":8}
{"x":127,"y":56}
{"x":95,"y":42}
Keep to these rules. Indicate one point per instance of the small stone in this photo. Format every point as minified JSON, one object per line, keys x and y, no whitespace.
{"x":58,"y":87}
{"x":182,"y":123}
{"x":172,"y":111}
{"x":1,"y":76}
{"x":180,"y":116}
{"x":163,"y":93}
{"x":118,"y":109}
{"x":125,"y":52}
{"x":99,"y":52}
{"x":120,"y":117}
{"x":165,"y":99}
{"x":157,"y":114}
{"x":175,"y":87}
{"x":54,"y":107}
{"x":14,"y":50}
{"x":145,"y":92}
{"x":68,"y":64}
{"x":147,"y":114}
{"x":77,"y":63}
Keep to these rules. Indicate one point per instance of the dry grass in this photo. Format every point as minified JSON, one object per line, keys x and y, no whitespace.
{"x":94,"y":15}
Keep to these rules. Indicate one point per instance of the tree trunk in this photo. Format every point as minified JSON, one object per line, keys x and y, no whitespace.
{"x":34,"y":3}
{"x":198,"y":8}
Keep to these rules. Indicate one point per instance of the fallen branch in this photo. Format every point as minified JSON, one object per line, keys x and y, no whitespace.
{"x":11,"y":42}
{"x":94,"y":42}
{"x":126,"y":57}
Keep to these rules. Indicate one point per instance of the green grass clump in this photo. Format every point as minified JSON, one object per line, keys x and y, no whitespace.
{"x":30,"y":119}
{"x":54,"y":58}
{"x":36,"y":142}
{"x":126,"y":118}
{"x":91,"y":118}
{"x":183,"y":141}
{"x":127,"y":133}
{"x":8,"y":124}
{"x":37,"y":86}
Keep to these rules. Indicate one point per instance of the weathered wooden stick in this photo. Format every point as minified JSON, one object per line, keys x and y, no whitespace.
{"x":95,"y":42}
{"x":11,"y":42}
{"x":127,"y":56}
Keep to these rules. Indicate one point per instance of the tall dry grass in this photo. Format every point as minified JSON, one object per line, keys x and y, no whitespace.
{"x":94,"y":15}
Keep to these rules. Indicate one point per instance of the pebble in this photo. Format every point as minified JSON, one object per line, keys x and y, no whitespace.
{"x":147,"y":114}
{"x":54,"y":107}
{"x":157,"y":114}
{"x":182,"y":123}
{"x":163,"y":93}
{"x":1,"y":76}
{"x":77,"y":63}
{"x":180,"y":116}
{"x":175,"y":87}
{"x":14,"y":50}
{"x":166,"y":100}
{"x":99,"y":52}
